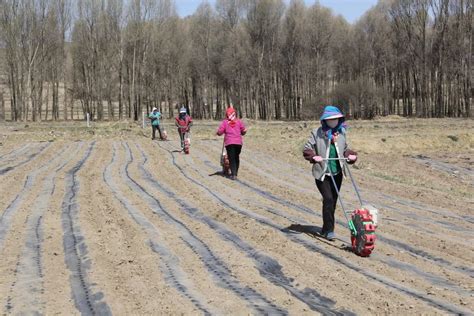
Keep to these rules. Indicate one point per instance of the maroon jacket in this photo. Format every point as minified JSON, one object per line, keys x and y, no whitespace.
{"x":184,"y":124}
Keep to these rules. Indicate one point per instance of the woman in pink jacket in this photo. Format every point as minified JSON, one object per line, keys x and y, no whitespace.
{"x":233,"y":129}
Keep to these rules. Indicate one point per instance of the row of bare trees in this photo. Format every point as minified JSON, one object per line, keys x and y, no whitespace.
{"x":116,"y":58}
{"x":33,"y":44}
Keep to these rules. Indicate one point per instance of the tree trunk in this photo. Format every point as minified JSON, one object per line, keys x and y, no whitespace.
{"x":2,"y":108}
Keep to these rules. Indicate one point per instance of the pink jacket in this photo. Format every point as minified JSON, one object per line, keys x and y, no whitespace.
{"x":233,"y":135}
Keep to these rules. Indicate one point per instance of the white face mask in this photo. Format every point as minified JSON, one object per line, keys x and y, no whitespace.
{"x":332,"y":123}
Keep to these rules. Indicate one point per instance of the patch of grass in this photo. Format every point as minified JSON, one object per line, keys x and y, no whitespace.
{"x":453,"y":138}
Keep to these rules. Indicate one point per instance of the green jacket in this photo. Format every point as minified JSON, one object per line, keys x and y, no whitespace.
{"x":155,"y":118}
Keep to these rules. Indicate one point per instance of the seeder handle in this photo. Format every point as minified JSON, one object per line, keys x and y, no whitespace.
{"x":349,"y":222}
{"x":339,"y":195}
{"x":223,"y":148}
{"x":222,"y":153}
{"x":355,"y":185}
{"x":345,"y":160}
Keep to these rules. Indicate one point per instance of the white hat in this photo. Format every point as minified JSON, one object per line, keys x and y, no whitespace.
{"x":154,"y":109}
{"x":335,"y":116}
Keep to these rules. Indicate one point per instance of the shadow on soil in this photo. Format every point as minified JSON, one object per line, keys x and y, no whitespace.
{"x":314,"y":232}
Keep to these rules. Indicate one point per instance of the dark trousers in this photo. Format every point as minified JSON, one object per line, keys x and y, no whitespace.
{"x":182,"y":136}
{"x":328,"y":191}
{"x":233,"y":153}
{"x":154,"y":128}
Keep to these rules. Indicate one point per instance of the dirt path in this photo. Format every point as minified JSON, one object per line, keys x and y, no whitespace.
{"x":94,"y":224}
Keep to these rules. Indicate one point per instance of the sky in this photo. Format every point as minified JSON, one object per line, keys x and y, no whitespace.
{"x":350,"y":9}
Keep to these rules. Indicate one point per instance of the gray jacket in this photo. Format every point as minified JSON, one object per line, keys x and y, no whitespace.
{"x":319,"y":145}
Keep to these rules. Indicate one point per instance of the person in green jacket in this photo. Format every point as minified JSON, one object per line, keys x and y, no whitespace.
{"x":329,"y":141}
{"x":155,"y":117}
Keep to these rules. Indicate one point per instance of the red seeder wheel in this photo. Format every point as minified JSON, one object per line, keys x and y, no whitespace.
{"x":364,"y":242}
{"x":226,"y":165}
{"x":186,"y":146}
{"x":164,"y":135}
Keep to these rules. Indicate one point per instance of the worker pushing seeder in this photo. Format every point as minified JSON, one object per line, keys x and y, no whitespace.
{"x":184,"y":123}
{"x":155,"y":117}
{"x":233,"y":129}
{"x":328,"y":151}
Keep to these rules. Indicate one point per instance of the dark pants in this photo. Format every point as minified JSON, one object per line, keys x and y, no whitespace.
{"x":233,"y":153}
{"x":328,"y":191}
{"x":182,"y":136}
{"x":154,"y":128}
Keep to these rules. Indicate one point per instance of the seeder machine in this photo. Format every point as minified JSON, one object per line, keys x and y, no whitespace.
{"x":362,"y":221}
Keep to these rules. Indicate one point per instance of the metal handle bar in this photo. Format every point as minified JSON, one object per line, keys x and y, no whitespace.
{"x":343,"y":159}
{"x":356,"y":189}
{"x":339,"y":195}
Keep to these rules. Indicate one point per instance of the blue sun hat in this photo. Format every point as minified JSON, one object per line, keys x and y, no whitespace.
{"x":333,"y":112}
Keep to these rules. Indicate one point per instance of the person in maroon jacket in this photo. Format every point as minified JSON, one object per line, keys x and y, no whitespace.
{"x":183,"y":123}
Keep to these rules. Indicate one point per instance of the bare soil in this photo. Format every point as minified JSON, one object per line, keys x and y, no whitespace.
{"x":104,"y":220}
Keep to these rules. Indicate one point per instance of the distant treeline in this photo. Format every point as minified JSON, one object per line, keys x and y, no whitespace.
{"x":116,"y":58}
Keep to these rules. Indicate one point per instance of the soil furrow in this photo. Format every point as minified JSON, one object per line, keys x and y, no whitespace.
{"x":410,"y":218}
{"x":394,"y":243}
{"x":102,"y":220}
{"x":267,"y":266}
{"x":215,"y":265}
{"x":406,"y":214}
{"x":170,"y":267}
{"x":294,"y":174}
{"x":429,"y":209}
{"x":9,"y":212}
{"x":14,"y":153}
{"x":405,"y":267}
{"x":463,"y":173}
{"x":27,"y":289}
{"x":30,"y":157}
{"x":439,"y":304}
{"x":380,"y":237}
{"x":75,"y":249}
{"x":404,"y":247}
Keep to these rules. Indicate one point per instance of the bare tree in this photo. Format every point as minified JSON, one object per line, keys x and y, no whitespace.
{"x":263,"y":26}
{"x":269,"y":60}
{"x":2,"y":107}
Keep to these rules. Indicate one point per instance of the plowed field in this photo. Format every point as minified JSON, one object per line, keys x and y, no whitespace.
{"x":106,"y":221}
